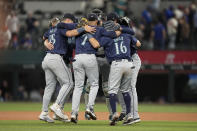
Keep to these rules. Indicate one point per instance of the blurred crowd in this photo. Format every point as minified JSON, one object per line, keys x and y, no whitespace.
{"x":172,"y":28}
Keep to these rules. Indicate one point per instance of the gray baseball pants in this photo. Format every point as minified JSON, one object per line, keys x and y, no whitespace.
{"x":133,"y":92}
{"x":85,"y":64}
{"x":55,"y":70}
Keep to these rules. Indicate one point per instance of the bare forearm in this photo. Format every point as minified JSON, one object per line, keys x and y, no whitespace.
{"x":46,"y":42}
{"x":74,"y":32}
{"x":93,"y":41}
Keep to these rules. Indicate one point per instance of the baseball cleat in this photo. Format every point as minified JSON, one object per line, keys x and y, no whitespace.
{"x":114,"y":119}
{"x":90,"y":112}
{"x":137,"y":120}
{"x":121,"y":117}
{"x":55,"y":117}
{"x":44,"y":116}
{"x":87,"y":117}
{"x":56,"y":109}
{"x":74,"y":118}
{"x":128,"y":120}
{"x":65,"y":119}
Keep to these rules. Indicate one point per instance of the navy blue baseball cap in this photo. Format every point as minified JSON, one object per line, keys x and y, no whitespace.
{"x":69,"y":16}
{"x":92,"y":17}
{"x":113,"y":16}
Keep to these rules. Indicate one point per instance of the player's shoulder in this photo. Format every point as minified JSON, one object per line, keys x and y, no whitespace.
{"x":99,"y":28}
{"x":52,"y":30}
{"x":106,"y":38}
{"x":126,"y":35}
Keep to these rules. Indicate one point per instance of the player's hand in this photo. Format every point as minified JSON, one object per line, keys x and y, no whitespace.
{"x":89,"y":29}
{"x":49,"y":45}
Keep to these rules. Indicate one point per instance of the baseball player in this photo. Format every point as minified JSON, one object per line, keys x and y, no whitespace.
{"x":117,"y":52}
{"x":86,"y":64}
{"x":133,"y":93}
{"x":50,"y":46}
{"x":112,"y":52}
{"x":55,"y":68}
{"x":103,"y":64}
{"x":67,"y":57}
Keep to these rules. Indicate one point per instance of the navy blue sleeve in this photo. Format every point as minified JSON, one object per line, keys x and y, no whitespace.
{"x":46,"y":35}
{"x":63,"y":32}
{"x":70,"y":26}
{"x":111,"y":34}
{"x":133,"y":40}
{"x":104,"y":41}
{"x":128,"y":30}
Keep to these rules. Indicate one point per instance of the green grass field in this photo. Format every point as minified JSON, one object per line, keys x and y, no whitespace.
{"x":100,"y":107}
{"x":12,"y":125}
{"x":96,"y":126}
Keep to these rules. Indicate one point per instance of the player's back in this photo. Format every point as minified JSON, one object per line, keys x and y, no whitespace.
{"x":83,"y":46}
{"x":117,"y":48}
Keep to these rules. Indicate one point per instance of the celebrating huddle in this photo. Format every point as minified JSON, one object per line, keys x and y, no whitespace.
{"x":78,"y":43}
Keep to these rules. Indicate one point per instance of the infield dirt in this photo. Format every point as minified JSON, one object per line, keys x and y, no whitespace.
{"x":145,"y":116}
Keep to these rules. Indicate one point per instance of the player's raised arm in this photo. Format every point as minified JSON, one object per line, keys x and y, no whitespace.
{"x":135,"y":42}
{"x":127,"y":30}
{"x":69,"y":26}
{"x":93,"y":41}
{"x":70,"y":19}
{"x":78,"y":31}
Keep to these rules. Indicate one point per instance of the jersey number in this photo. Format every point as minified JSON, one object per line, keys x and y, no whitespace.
{"x":52,"y":39}
{"x":84,"y":40}
{"x":122,"y":48}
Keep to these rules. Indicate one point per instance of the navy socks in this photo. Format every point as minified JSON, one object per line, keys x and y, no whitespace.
{"x":127,"y":100}
{"x":112,"y":100}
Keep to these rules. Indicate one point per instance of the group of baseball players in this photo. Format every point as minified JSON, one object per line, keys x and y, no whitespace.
{"x":73,"y":43}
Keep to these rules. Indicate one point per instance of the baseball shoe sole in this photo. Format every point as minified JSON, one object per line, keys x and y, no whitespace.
{"x":128,"y":122}
{"x":55,"y":117}
{"x":137,"y":120}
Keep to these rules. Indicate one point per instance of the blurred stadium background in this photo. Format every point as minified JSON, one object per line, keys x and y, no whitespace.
{"x":169,"y":57}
